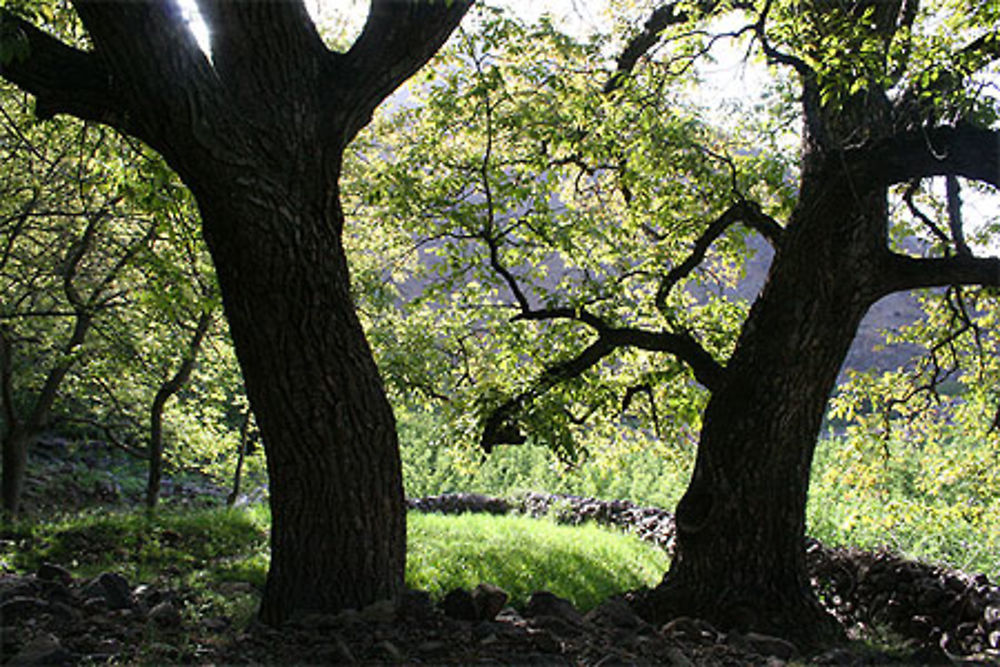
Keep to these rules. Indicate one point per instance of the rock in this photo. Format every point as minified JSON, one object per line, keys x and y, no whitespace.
{"x":509,"y":615}
{"x":387,"y":650}
{"x":557,"y":625}
{"x":335,"y":653}
{"x":614,"y":613}
{"x":489,"y":600}
{"x":770,"y":646}
{"x":53,"y":572}
{"x":18,"y":609}
{"x":543,"y":603}
{"x":458,"y":604}
{"x":432,"y":647}
{"x":44,"y":650}
{"x":9,"y":639}
{"x":163,"y":651}
{"x":693,"y":629}
{"x":95,"y":605}
{"x":415,"y":605}
{"x":546,"y":642}
{"x":676,"y":658}
{"x":111,"y":586}
{"x":165,"y":615}
{"x":381,"y":612}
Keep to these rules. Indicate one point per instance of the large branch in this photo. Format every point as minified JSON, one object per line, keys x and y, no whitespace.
{"x":662,"y":18}
{"x":964,"y":150}
{"x":398,"y":38}
{"x":63,"y":79}
{"x":248,"y":35}
{"x":902,"y":272}
{"x":500,"y":426}
{"x":706,"y":369}
{"x":747,"y":212}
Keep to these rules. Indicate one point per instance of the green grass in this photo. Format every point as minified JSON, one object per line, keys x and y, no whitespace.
{"x":209,"y":549}
{"x":584,"y":564}
{"x":214,"y":543}
{"x":937,"y":501}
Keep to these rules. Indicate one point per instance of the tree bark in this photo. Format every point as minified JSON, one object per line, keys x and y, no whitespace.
{"x":338,"y":520}
{"x":740,"y":561}
{"x":257,"y":132}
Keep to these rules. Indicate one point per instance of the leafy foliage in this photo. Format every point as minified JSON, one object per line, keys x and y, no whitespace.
{"x":519,"y":188}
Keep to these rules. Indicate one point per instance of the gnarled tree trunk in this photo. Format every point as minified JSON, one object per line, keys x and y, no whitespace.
{"x":257,"y":130}
{"x":741,"y":524}
{"x":338,"y":531}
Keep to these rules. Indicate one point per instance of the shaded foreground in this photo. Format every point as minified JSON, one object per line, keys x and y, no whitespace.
{"x":925,"y":613}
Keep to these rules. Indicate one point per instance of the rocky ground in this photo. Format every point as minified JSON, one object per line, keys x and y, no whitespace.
{"x":935,"y":616}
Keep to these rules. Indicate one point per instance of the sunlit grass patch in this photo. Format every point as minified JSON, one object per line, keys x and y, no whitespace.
{"x":585,"y":564}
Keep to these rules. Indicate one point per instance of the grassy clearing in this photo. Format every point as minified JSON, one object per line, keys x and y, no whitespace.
{"x":222,"y":554}
{"x":585,"y":564}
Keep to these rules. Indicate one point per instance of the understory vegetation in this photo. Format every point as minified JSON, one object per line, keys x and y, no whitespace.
{"x":206,"y":549}
{"x":934,"y":501}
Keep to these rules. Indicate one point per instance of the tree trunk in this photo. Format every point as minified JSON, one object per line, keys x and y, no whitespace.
{"x":15,"y":466}
{"x":241,"y":454}
{"x":741,"y":524}
{"x":166,"y":390}
{"x":336,"y":493}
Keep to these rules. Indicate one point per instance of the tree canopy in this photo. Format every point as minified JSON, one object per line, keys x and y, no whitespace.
{"x":571,"y":222}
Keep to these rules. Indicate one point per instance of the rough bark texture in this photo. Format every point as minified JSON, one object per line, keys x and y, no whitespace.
{"x":741,"y":523}
{"x":258,"y":133}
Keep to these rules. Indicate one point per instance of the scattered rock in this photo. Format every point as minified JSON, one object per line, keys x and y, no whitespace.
{"x":16,"y":609}
{"x":383,"y":611}
{"x":687,"y":628}
{"x":488,"y":600}
{"x":387,"y":650}
{"x":544,"y":603}
{"x":44,"y":650}
{"x":765,"y":645}
{"x":113,"y":588}
{"x":615,"y":613}
{"x":458,"y":604}
{"x":166,"y":616}
{"x":52,"y":572}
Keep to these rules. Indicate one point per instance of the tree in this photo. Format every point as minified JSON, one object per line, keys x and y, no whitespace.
{"x":257,"y":129}
{"x":70,"y":243}
{"x":589,"y":205}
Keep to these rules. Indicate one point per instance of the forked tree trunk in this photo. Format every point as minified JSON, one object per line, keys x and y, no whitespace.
{"x":741,"y":524}
{"x":336,"y":492}
{"x":257,"y":131}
